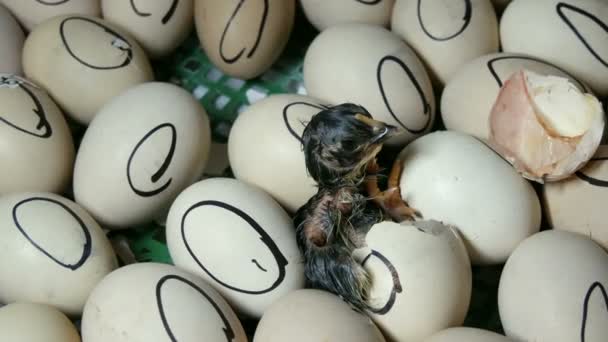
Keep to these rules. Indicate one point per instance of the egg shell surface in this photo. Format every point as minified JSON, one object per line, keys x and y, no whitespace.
{"x":323,"y":14}
{"x":31,"y":13}
{"x":467,"y":334}
{"x":11,"y":38}
{"x":35,"y":323}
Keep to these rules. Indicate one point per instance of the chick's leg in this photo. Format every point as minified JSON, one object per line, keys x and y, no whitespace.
{"x":391,"y":200}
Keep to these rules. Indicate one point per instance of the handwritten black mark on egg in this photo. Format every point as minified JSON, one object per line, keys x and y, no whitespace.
{"x":260,"y":236}
{"x":252,"y":50}
{"x":86,"y":248}
{"x":591,"y":180}
{"x":80,"y":49}
{"x":369,"y":2}
{"x":162,"y":284}
{"x":466,"y":20}
{"x":596,"y":286}
{"x":426,"y":107}
{"x":286,"y":116}
{"x":397,"y":288}
{"x":165,"y":18}
{"x":43,"y":127}
{"x":567,"y":12}
{"x":52,"y":3}
{"x":163,"y":167}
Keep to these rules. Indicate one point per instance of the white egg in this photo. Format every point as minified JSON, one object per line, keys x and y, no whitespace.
{"x":141,"y":150}
{"x":571,"y":34}
{"x":30,"y":13}
{"x":457,"y":179}
{"x":11,"y":39}
{"x":372,"y":67}
{"x":467,"y":334}
{"x":410,"y":302}
{"x":447,"y":34}
{"x":54,"y":252}
{"x":553,"y":288}
{"x":323,"y":14}
{"x":156,"y":303}
{"x":237,"y":238}
{"x":29,"y":322}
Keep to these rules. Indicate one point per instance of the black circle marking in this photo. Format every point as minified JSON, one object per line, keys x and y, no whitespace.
{"x":562,"y":6}
{"x":466,"y":21}
{"x":591,"y":180}
{"x":231,"y":60}
{"x":162,"y":169}
{"x":86,"y":250}
{"x":228,"y":331}
{"x":397,"y":288}
{"x":286,"y":116}
{"x":121,"y":44}
{"x":592,"y":288}
{"x":368,"y":2}
{"x":48,"y":3}
{"x":43,"y":123}
{"x":165,"y":18}
{"x":425,"y":104}
{"x":266,"y":239}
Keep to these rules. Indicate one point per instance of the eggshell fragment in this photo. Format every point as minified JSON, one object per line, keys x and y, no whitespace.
{"x":467,"y":334}
{"x":323,"y":14}
{"x":11,"y":40}
{"x":30,"y":13}
{"x":35,"y":323}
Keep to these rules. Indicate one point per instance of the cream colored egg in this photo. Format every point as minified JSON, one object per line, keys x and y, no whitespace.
{"x":28,"y":322}
{"x":236,"y":237}
{"x":467,"y":334}
{"x":571,"y":34}
{"x":83,"y":62}
{"x":265,"y":147}
{"x":409,"y":302}
{"x":159,"y":26}
{"x":578,"y":203}
{"x":447,"y":34}
{"x":323,"y":14}
{"x":456,"y":179}
{"x":372,"y":67}
{"x":244,"y":38}
{"x":11,"y":39}
{"x":468,"y":97}
{"x":554,"y":288}
{"x":141,"y":150}
{"x":150,"y":302}
{"x":53,"y":251}
{"x":30,"y":13}
{"x":36,"y":145}
{"x":309,"y":315}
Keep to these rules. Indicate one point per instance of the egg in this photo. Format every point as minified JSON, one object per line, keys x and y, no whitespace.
{"x":571,"y":34}
{"x":467,"y":334}
{"x":372,"y":67}
{"x":265,"y":147}
{"x":143,"y":148}
{"x":34,"y":136}
{"x":236,"y":237}
{"x":11,"y":38}
{"x":35,"y":323}
{"x":54,"y":251}
{"x":323,"y":14}
{"x":577,"y":204}
{"x":244,"y":38}
{"x":159,"y":26}
{"x":31,"y":13}
{"x":69,"y":54}
{"x":484,"y":77}
{"x":309,"y":315}
{"x":447,"y":34}
{"x":553,"y":288}
{"x":456,"y":179}
{"x":158,"y":302}
{"x":408,"y":302}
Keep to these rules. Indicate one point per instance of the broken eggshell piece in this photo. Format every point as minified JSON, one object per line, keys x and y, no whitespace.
{"x":545,"y":126}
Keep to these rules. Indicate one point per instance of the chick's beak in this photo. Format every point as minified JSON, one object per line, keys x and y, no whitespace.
{"x":381,"y":130}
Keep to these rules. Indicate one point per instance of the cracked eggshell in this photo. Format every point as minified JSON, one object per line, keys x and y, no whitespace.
{"x":323,"y":14}
{"x":456,"y":179}
{"x":467,"y":334}
{"x":11,"y":40}
{"x":31,"y":13}
{"x":35,"y":323}
{"x":155,"y":302}
{"x":409,"y":303}
{"x":143,"y":148}
{"x":237,"y":238}
{"x":265,"y":148}
{"x":34,"y":136}
{"x":447,"y":34}
{"x":571,"y":34}
{"x":553,"y":288}
{"x":371,"y":66}
{"x":54,"y":252}
{"x":69,"y":54}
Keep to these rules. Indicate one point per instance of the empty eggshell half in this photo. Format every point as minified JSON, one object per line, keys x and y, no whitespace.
{"x":156,"y":303}
{"x":308,"y":315}
{"x":236,"y":237}
{"x":143,"y":148}
{"x":30,"y":13}
{"x":457,"y":179}
{"x":11,"y":40}
{"x":545,"y":126}
{"x":409,"y":302}
{"x":554,"y":288}
{"x":467,"y":334}
{"x":21,"y":322}
{"x":323,"y":14}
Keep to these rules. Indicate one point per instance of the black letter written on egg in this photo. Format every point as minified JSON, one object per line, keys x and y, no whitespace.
{"x":562,"y":9}
{"x":396,"y":283}
{"x":52,"y":3}
{"x":466,"y":20}
{"x":286,"y":116}
{"x":593,"y":181}
{"x":235,"y":58}
{"x":369,"y":2}
{"x":166,"y":17}
{"x":599,"y":286}
{"x":43,"y":124}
